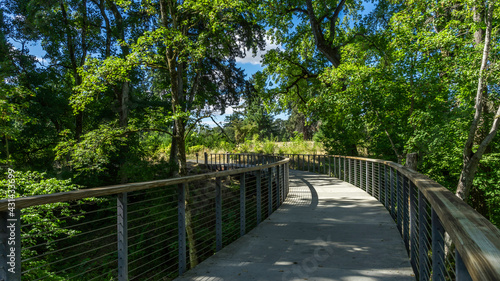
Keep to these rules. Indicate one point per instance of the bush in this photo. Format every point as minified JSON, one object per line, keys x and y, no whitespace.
{"x":195,"y":149}
{"x":268,"y":147}
{"x":55,"y":228}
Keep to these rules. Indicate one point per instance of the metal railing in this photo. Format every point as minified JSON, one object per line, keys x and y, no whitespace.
{"x":140,"y":231}
{"x":445,"y":238}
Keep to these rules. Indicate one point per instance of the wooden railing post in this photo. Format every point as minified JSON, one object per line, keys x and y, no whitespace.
{"x":181,"y":225}
{"x":206,"y":159}
{"x":10,"y":245}
{"x":438,"y":265}
{"x":122,"y":223}
{"x":242,"y":204}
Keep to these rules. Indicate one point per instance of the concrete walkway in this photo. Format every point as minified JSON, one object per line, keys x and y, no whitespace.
{"x":326,"y":230}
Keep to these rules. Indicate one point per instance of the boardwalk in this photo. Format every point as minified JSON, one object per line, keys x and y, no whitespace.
{"x":325,"y":230}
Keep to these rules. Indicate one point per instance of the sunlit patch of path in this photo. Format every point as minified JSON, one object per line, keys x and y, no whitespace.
{"x":326,"y":230}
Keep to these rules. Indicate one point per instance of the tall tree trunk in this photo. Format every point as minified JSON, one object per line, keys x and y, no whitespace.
{"x":176,"y":72}
{"x":470,"y":158}
{"x":122,"y":92}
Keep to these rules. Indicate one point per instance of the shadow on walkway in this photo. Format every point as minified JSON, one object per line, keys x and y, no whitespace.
{"x":325,"y":230}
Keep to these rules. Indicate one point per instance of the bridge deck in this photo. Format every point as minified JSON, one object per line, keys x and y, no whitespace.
{"x":326,"y":230}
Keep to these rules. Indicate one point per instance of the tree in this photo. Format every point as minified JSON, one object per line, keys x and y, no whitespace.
{"x":194,"y":45}
{"x":487,"y":77}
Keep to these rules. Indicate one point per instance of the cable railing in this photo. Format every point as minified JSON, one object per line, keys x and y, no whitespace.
{"x":140,"y":231}
{"x":445,"y":238}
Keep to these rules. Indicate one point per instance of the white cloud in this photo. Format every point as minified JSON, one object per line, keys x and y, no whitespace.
{"x":257,"y":59}
{"x":41,"y":60}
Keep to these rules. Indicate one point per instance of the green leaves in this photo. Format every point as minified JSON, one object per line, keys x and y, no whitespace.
{"x":97,"y":76}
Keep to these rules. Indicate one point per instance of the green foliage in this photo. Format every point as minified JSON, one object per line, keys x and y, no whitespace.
{"x":94,"y":151}
{"x":44,"y":222}
{"x":269,"y":146}
{"x":486,"y":194}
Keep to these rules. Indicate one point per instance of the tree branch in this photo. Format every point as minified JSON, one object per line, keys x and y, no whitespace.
{"x":224,"y":132}
{"x":194,"y":124}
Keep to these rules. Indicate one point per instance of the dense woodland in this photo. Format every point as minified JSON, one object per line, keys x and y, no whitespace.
{"x":119,"y":95}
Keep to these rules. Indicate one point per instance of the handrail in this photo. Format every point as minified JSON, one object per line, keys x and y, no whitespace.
{"x":24,"y":202}
{"x":476,"y":239}
{"x":163,"y":223}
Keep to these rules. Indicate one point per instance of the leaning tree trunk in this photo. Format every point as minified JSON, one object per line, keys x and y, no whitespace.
{"x":470,"y":158}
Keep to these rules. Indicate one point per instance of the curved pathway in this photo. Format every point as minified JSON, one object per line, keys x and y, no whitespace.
{"x":326,"y":229}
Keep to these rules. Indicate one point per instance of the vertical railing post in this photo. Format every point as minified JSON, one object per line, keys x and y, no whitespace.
{"x":121,"y":214}
{"x":308,"y":162}
{"x":10,"y":261}
{"x":206,"y":159}
{"x":423,"y":247}
{"x":386,"y":196}
{"x":438,"y":265}
{"x":399,"y":191}
{"x":350,"y":170}
{"x":367,"y":171}
{"x":340,"y":169}
{"x":361,"y":174}
{"x":345,"y":169}
{"x":287,"y":179}
{"x":356,"y":172}
{"x":242,"y":205}
{"x":330,"y":166}
{"x":258,"y":186}
{"x":270,"y":192}
{"x":414,"y":239}
{"x":314,"y":163}
{"x":406,"y":213}
{"x":283,"y":184}
{"x":393,"y":195}
{"x":461,"y":272}
{"x":373,"y":182}
{"x":181,"y":225}
{"x":278,"y":186}
{"x":218,"y":214}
